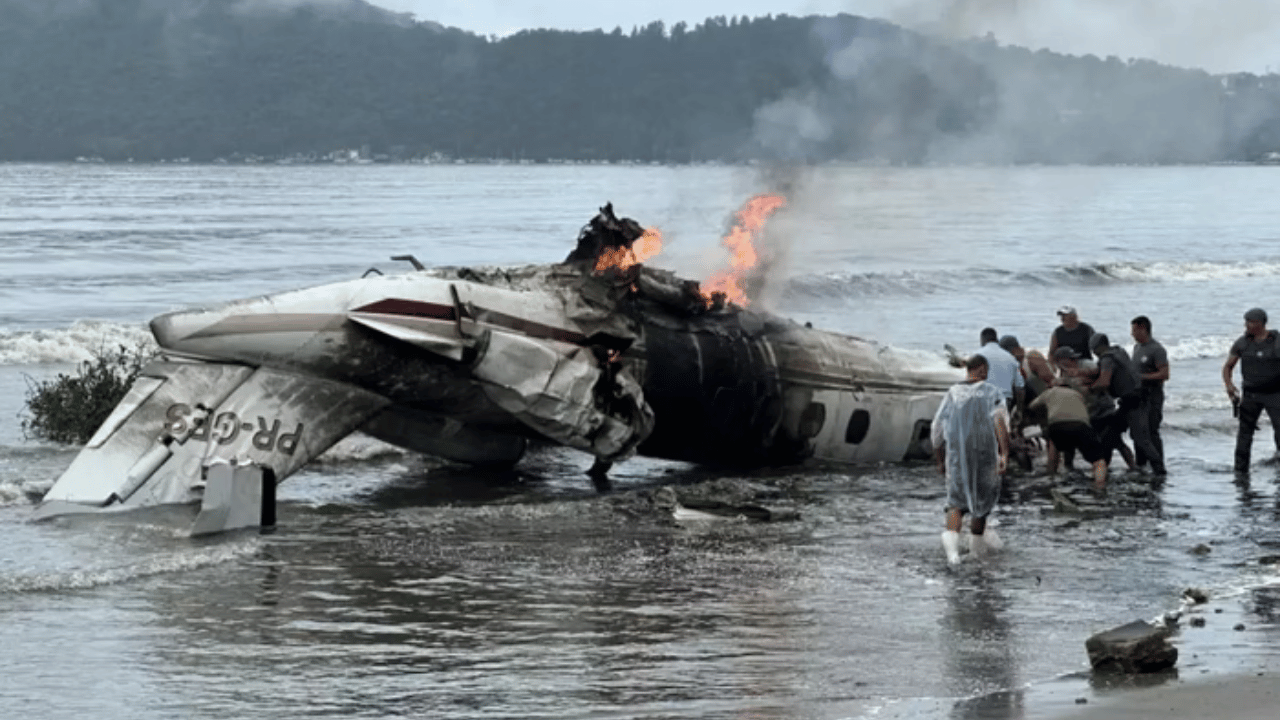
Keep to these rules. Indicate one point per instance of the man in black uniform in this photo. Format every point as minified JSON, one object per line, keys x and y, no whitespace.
{"x":1151,"y":361}
{"x":1260,"y":375}
{"x":1071,"y":333}
{"x":1117,"y":376}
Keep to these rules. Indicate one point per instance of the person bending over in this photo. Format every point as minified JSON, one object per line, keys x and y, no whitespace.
{"x":1118,"y":377}
{"x":1067,"y":419}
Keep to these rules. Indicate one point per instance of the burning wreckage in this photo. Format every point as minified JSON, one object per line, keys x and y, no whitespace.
{"x":599,"y":353}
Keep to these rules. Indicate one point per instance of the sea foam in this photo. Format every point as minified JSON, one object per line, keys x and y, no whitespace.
{"x":1187,"y":271}
{"x":923,"y":282}
{"x":70,"y":345}
{"x":1199,"y":348}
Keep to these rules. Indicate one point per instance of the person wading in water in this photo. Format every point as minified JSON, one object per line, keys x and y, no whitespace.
{"x":1258,"y":353}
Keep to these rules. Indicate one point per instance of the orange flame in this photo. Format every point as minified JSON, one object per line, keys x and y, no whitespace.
{"x":750,"y":220}
{"x":624,"y":258}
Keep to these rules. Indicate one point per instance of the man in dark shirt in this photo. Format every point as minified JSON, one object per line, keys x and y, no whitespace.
{"x":1071,"y":333}
{"x":1258,"y":353}
{"x":1117,"y":376}
{"x":1152,"y":363}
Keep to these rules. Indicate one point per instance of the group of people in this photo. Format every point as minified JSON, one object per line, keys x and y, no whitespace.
{"x":1085,"y":395}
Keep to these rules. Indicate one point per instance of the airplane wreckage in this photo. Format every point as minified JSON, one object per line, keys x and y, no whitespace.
{"x":598,"y":353}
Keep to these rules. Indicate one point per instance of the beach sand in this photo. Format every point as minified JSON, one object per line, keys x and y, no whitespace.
{"x":1228,"y":667}
{"x":1235,"y":697}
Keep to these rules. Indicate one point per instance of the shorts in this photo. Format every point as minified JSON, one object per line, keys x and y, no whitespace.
{"x":1068,"y":436}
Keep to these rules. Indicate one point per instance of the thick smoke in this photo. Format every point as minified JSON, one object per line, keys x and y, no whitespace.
{"x":1221,"y":36}
{"x":974,"y":88}
{"x":1091,"y":98}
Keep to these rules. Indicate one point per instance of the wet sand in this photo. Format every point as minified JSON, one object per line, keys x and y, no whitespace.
{"x":1228,"y":667}
{"x":1238,"y":697}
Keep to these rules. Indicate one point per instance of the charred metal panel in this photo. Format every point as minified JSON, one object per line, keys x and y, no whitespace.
{"x":715,"y":394}
{"x":445,"y":437}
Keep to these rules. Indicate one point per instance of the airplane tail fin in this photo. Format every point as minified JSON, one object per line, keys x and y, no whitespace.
{"x":178,"y":418}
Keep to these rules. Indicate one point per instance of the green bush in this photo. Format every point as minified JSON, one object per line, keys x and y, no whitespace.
{"x":70,"y":407}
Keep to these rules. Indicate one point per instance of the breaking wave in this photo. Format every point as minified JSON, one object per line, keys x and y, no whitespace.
{"x":11,"y":494}
{"x":70,"y":345}
{"x":1197,"y":400}
{"x":1186,"y":272}
{"x":930,"y":282}
{"x":1200,"y":348}
{"x":1200,"y":426}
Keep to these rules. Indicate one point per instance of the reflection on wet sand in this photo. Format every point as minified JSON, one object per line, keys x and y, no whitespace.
{"x":979,"y":645}
{"x":1254,"y":503}
{"x":1106,"y":682}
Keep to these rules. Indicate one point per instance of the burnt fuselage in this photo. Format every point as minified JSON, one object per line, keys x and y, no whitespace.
{"x":729,"y":386}
{"x":470,"y":364}
{"x":746,"y":388}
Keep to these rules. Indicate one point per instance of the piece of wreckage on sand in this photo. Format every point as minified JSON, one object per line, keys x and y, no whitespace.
{"x":469,"y":364}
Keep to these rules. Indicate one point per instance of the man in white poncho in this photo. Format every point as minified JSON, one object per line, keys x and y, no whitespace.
{"x":971,"y":444}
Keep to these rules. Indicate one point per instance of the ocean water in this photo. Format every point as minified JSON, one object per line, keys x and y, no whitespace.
{"x":397,"y":586}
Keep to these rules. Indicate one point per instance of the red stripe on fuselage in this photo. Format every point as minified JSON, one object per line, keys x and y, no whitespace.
{"x":436,"y":311}
{"x":413,"y":308}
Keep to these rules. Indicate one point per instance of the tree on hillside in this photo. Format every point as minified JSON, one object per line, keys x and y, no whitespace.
{"x":153,"y":79}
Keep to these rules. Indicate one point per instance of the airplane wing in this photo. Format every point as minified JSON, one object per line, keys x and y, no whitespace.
{"x":179,"y":417}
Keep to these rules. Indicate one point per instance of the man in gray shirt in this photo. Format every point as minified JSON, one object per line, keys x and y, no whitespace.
{"x":1152,"y":363}
{"x":1258,"y":352}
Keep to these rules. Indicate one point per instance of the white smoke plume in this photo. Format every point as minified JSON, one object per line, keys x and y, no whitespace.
{"x":1220,"y":36}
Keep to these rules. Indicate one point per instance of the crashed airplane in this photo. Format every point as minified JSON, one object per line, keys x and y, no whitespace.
{"x":598,"y":353}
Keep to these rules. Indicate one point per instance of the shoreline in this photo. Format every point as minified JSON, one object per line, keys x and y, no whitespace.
{"x":1228,"y":667}
{"x":1238,"y":696}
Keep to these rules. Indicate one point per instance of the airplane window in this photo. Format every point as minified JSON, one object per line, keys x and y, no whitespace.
{"x":859,"y":424}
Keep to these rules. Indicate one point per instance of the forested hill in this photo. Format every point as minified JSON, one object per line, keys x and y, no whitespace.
{"x":207,"y":79}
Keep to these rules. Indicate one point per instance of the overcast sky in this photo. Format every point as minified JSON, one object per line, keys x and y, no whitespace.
{"x":1219,"y":35}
